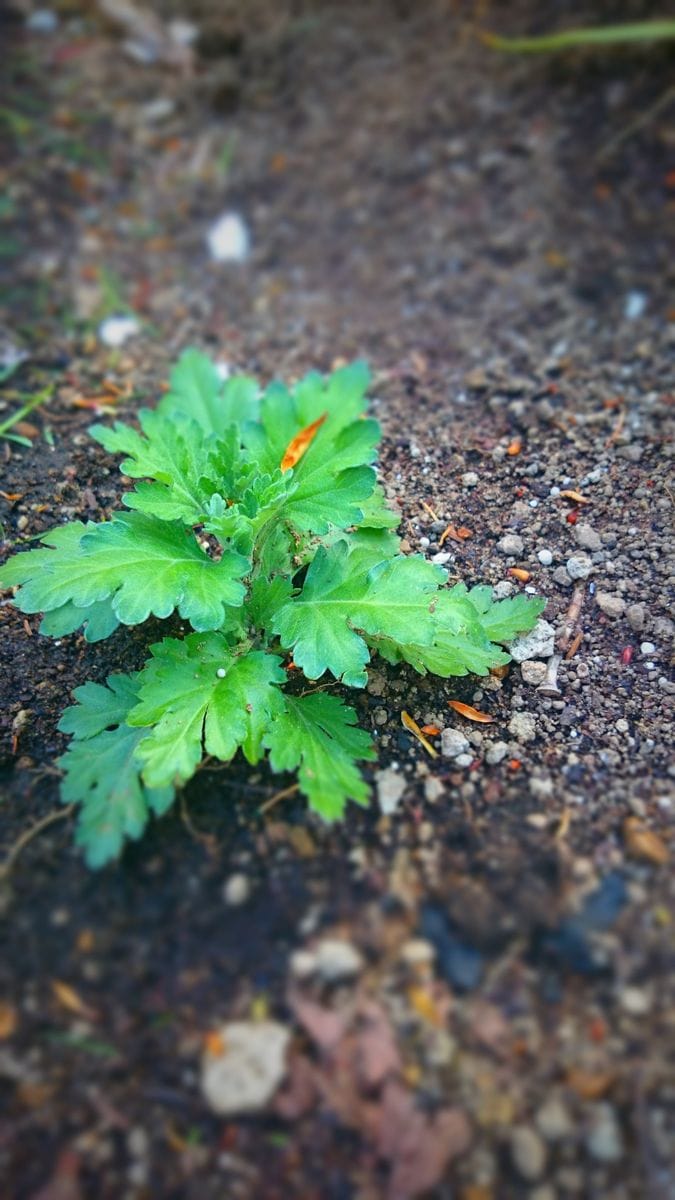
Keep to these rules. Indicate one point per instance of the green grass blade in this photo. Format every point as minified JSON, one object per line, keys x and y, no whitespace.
{"x":607,"y":35}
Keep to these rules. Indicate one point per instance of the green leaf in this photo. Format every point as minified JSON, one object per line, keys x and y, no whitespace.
{"x":143,"y":564}
{"x":341,"y":595}
{"x":102,"y":770}
{"x":468,"y":623}
{"x":267,"y":598}
{"x":197,"y":691}
{"x":603,"y":35}
{"x":173,"y":452}
{"x":376,"y":513}
{"x":505,"y":619}
{"x":316,"y":734}
{"x":196,"y":390}
{"x":97,"y":621}
{"x":333,"y":479}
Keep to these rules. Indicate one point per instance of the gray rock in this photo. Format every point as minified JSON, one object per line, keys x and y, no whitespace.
{"x":251,"y":1067}
{"x":553,"y":1120}
{"x":433,"y":789}
{"x":603,"y":1139}
{"x":612,"y":606}
{"x":453,"y":743}
{"x":236,"y":890}
{"x":528,"y":1153}
{"x":523,"y":727}
{"x":511,"y":543}
{"x":560,"y":576}
{"x":496,"y":752}
{"x":635,"y":1000}
{"x":533,"y":673}
{"x":588,"y":538}
{"x":579,"y":566}
{"x":637,"y":615}
{"x":390,"y":788}
{"x":469,"y":479}
{"x":464,"y":760}
{"x":377,"y":682}
{"x":336,"y":959}
{"x":632,"y":453}
{"x":538,"y":643}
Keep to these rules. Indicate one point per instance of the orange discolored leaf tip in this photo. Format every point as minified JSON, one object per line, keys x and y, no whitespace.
{"x":472,"y":714}
{"x":299,"y":445}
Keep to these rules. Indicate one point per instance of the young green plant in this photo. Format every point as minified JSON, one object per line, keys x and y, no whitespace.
{"x":258,"y":521}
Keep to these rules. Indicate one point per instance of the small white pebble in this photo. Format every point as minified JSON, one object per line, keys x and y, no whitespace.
{"x":647,"y":648}
{"x":545,"y":557}
{"x":221,"y":672}
{"x":634,"y":305}
{"x":115,"y":331}
{"x":228,"y":239}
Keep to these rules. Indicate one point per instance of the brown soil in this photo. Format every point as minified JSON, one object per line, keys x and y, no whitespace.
{"x":491,"y":233}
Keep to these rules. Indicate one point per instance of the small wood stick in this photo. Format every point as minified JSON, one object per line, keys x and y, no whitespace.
{"x":573,"y":614}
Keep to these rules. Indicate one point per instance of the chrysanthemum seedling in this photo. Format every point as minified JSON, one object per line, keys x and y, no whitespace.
{"x":258,"y":519}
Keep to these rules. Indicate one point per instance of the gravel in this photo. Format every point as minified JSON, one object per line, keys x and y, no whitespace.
{"x":496,"y":753}
{"x":390,"y":786}
{"x":539,"y":643}
{"x":236,"y":890}
{"x":528,"y":1153}
{"x":636,"y":615}
{"x":603,"y":1138}
{"x":588,"y":538}
{"x":613,"y":606}
{"x":453,"y":743}
{"x":532,"y":672}
{"x":579,"y":566}
{"x":245,"y":1072}
{"x":523,"y":727}
{"x":511,"y":544}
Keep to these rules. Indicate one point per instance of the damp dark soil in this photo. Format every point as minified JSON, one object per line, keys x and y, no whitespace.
{"x":494,"y":234}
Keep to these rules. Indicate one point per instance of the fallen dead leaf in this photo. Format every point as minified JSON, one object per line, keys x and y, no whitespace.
{"x":324,"y":1026}
{"x":643,"y":843}
{"x":69,"y":999}
{"x":8,"y":1020}
{"x":214,"y":1045}
{"x":418,"y":1146}
{"x":414,"y":728}
{"x":377,"y":1051}
{"x":457,"y":534}
{"x":425,"y":1006}
{"x":427,"y":508}
{"x":576,"y":497}
{"x":471,"y":713}
{"x":299,"y":445}
{"x":590,"y":1085}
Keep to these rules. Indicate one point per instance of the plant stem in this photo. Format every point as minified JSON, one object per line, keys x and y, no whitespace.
{"x":34,"y":402}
